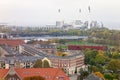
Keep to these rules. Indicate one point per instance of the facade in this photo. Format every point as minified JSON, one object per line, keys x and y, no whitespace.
{"x":19,"y":61}
{"x":20,"y":74}
{"x":70,"y":64}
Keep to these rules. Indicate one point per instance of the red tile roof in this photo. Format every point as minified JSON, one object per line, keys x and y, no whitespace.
{"x":12,"y":42}
{"x":3,"y":72}
{"x":48,"y":73}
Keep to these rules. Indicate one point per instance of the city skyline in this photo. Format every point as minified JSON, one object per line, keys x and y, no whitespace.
{"x":39,"y":12}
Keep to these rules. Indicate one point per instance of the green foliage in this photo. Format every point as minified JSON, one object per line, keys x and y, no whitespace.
{"x":92,"y":61}
{"x":116,"y":76}
{"x":99,"y":75}
{"x":105,"y":36}
{"x":113,"y":76}
{"x":90,"y":56}
{"x":93,"y":69}
{"x":115,"y":55}
{"x":34,"y":78}
{"x":61,"y":54}
{"x":83,"y":74}
{"x":108,"y":76}
{"x":114,"y":65}
{"x":38,"y":64}
{"x":46,"y":64}
{"x":62,"y":41}
{"x":100,"y":59}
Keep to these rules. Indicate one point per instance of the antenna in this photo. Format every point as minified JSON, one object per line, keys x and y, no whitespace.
{"x":89,"y":14}
{"x":80,"y":11}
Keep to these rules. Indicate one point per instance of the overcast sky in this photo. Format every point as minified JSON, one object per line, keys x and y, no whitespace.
{"x":41,"y":12}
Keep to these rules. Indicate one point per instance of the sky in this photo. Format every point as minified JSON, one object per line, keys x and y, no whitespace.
{"x":43,"y":12}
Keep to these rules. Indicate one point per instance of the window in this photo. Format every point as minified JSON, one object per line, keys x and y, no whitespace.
{"x":12,"y":78}
{"x":61,"y":78}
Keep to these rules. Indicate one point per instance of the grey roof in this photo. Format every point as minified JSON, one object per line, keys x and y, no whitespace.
{"x":44,"y":54}
{"x":19,"y":58}
{"x":93,"y":77}
{"x":8,"y":49}
{"x":34,"y":50}
{"x":23,"y":58}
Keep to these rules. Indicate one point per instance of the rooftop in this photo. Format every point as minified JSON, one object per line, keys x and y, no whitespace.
{"x":48,"y":73}
{"x":12,"y":42}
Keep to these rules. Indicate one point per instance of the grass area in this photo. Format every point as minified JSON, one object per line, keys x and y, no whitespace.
{"x":81,"y":43}
{"x":62,"y":46}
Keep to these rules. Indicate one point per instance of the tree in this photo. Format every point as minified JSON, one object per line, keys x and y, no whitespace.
{"x":62,"y":41}
{"x":108,"y":76}
{"x":90,"y":56}
{"x":46,"y":64}
{"x":59,"y":53}
{"x":83,"y":73}
{"x":38,"y":64}
{"x":92,"y":61}
{"x":99,"y":75}
{"x":100,"y":59}
{"x":116,"y":55}
{"x":92,"y":69}
{"x":34,"y":78}
{"x":114,"y":65}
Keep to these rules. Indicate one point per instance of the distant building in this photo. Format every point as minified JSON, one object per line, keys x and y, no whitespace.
{"x":78,"y":22}
{"x":59,"y":23}
{"x":5,"y":36}
{"x":20,"y":74}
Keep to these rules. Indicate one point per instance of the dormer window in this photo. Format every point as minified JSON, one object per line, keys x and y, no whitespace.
{"x":60,"y":78}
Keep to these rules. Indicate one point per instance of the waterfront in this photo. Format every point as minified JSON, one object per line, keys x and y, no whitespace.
{"x":52,"y":37}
